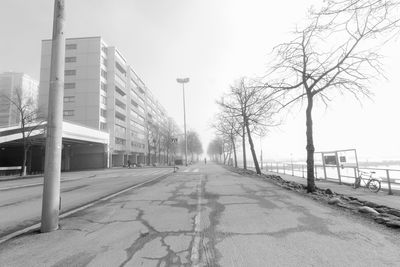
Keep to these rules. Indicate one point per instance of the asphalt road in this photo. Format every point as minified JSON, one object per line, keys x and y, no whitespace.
{"x":21,"y":200}
{"x":207,"y":216}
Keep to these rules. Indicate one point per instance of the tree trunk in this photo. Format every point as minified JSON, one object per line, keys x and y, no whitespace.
{"x":234,"y":151}
{"x":244,"y":147}
{"x":149,"y":153}
{"x":253,"y":152}
{"x":229,"y":156}
{"x":159,"y":152}
{"x":225,"y":157}
{"x":24,"y":160}
{"x":310,"y":145}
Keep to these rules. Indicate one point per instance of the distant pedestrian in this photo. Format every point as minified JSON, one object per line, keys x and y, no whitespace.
{"x":129,"y":164}
{"x":205,"y":160}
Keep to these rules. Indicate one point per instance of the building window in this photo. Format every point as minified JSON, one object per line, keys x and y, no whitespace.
{"x":104,"y":61}
{"x":141,"y":109}
{"x":141,"y":90}
{"x":103,"y":86}
{"x":70,"y":72}
{"x":134,"y":103}
{"x":140,"y":118}
{"x":120,"y":141}
{"x":69,"y":99}
{"x":103,"y":100}
{"x":120,"y":116}
{"x":69,"y":85}
{"x":70,"y":59}
{"x":137,"y":135}
{"x":119,"y":91}
{"x":104,"y":49}
{"x":137,"y":116}
{"x":67,"y":113}
{"x":71,"y":46}
{"x":104,"y":74}
{"x":141,"y":101}
{"x":120,"y":104}
{"x":134,"y":94}
{"x":120,"y":68}
{"x":137,"y":126}
{"x":120,"y":130}
{"x":103,"y":126}
{"x":103,"y":113}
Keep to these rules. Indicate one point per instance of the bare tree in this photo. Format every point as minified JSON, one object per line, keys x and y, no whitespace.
{"x":171,"y":132}
{"x":254,"y":106}
{"x":336,"y":52}
{"x":229,"y":127}
{"x":193,"y":144}
{"x":214,"y":149}
{"x":28,"y":119}
{"x":153,"y":138}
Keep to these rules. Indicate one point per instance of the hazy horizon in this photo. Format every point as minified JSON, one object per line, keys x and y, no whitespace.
{"x":213,"y":43}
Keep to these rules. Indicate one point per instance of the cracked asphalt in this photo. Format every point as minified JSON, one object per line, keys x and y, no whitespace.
{"x":207,"y":216}
{"x":21,"y":200}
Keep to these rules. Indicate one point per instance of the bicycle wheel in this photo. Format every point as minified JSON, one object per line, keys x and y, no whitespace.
{"x":374,"y":185}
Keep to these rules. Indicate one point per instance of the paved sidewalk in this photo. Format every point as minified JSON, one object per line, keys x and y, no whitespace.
{"x":381,"y":198}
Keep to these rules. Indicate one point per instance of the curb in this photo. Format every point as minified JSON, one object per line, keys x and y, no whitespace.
{"x":20,"y":177}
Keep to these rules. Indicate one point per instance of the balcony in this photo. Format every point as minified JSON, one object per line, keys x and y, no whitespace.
{"x":120,"y":110}
{"x":120,"y":81}
{"x":120,"y":147}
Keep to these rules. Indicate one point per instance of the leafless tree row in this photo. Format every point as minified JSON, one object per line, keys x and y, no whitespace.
{"x":194,"y":146}
{"x":336,"y":52}
{"x":161,"y":141}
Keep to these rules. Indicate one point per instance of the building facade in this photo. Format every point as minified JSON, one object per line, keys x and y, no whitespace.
{"x":102,"y":91}
{"x":15,"y":85}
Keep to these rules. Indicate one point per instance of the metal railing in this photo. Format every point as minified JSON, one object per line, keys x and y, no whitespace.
{"x":390,"y":178}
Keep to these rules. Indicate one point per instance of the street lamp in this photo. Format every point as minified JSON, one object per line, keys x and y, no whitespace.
{"x":183,"y":81}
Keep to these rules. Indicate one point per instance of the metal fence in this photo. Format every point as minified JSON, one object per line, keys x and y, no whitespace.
{"x":390,"y":178}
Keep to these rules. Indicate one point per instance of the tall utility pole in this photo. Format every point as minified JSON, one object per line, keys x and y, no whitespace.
{"x":52,"y":167}
{"x":261,"y":156}
{"x":183,"y":81}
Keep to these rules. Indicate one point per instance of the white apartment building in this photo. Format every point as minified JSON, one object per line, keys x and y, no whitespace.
{"x":102,"y":91}
{"x":11,"y":84}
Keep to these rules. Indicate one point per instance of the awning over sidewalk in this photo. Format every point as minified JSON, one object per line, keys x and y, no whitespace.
{"x":72,"y":133}
{"x":83,"y":147}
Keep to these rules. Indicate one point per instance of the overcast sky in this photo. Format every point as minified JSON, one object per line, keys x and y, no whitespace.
{"x":213,"y":42}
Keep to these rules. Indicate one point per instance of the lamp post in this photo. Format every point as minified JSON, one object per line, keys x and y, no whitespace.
{"x":183,"y":81}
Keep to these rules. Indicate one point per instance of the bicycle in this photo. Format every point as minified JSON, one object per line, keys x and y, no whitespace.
{"x":373,"y":184}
